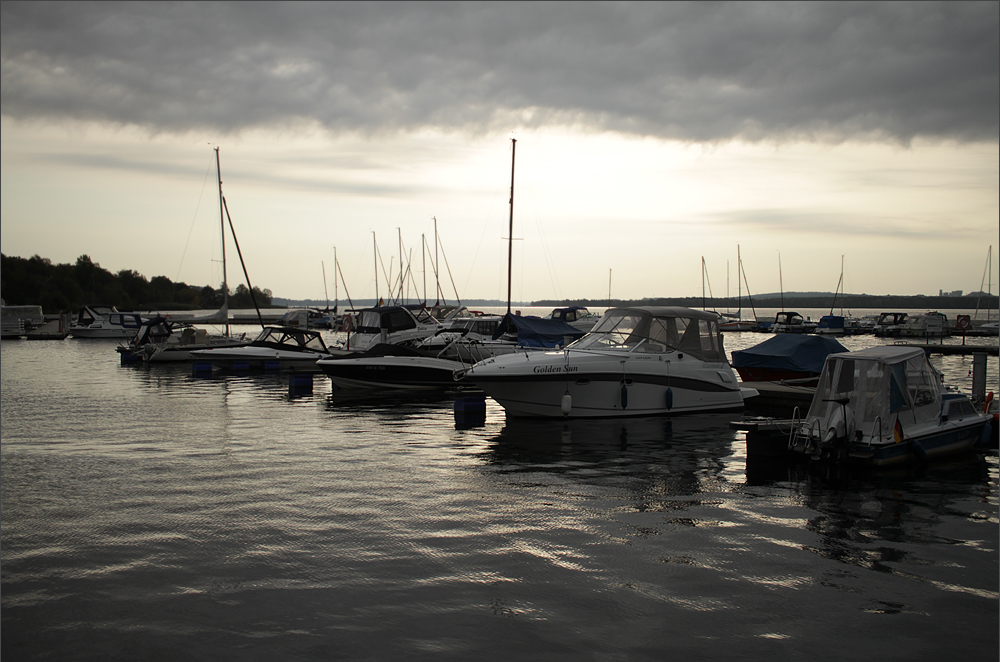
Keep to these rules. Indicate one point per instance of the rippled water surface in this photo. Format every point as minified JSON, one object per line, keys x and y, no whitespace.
{"x":150,"y":514}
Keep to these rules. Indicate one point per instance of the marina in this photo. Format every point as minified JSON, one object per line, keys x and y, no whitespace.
{"x":240,"y":515}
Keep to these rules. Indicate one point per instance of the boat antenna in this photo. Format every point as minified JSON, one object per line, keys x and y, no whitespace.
{"x":510,"y":237}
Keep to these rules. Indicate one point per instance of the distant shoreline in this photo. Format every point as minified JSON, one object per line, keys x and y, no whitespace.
{"x":905,"y":303}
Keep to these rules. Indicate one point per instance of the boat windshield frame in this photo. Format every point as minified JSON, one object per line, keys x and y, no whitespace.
{"x":642,"y":331}
{"x":290,"y":338}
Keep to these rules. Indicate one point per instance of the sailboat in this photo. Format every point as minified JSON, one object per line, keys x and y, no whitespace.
{"x":735,"y":321}
{"x":172,"y":338}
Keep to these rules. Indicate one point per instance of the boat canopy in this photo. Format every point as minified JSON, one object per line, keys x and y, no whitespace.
{"x":536,"y":331}
{"x":658,"y":329}
{"x":880,"y":387}
{"x":799,"y":353}
{"x":290,"y":337}
{"x":392,"y":318}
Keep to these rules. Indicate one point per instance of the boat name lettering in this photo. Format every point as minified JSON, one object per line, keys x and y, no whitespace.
{"x":554,"y":368}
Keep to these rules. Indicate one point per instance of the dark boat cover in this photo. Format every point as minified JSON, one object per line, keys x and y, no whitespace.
{"x":801,"y":353}
{"x":536,"y":332}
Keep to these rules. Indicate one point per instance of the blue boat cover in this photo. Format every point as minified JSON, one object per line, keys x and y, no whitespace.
{"x":803,"y":353}
{"x":535,"y":331}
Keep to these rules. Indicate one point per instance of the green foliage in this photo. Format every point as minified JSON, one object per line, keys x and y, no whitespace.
{"x":66,"y":287}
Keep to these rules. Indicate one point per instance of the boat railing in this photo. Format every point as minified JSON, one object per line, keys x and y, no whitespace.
{"x":876,"y":424}
{"x":793,"y":433}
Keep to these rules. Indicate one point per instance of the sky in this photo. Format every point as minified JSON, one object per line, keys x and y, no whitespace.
{"x":657,"y":145}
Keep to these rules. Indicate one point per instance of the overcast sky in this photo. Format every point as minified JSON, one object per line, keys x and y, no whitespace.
{"x":649,"y":136}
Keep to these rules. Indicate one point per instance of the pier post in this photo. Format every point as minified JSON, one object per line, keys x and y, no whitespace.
{"x":979,"y":378}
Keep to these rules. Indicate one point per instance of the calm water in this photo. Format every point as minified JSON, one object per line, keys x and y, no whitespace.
{"x":150,"y":514}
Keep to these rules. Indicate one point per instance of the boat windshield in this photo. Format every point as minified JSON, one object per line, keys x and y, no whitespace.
{"x":287,"y":338}
{"x":639,"y":331}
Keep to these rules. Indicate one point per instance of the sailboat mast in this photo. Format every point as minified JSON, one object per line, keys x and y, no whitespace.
{"x":325,"y":292}
{"x":437,"y":274}
{"x":222,"y":224}
{"x":739,"y":283}
{"x":375,"y":246}
{"x":510,"y":236}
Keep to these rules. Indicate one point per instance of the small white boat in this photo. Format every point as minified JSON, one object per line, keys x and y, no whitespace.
{"x":576,"y":316}
{"x":927,"y":325}
{"x":104,"y":322}
{"x":886,"y":405}
{"x":791,"y":322}
{"x":637,"y":361}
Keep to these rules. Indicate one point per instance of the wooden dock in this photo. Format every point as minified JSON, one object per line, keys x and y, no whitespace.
{"x":954,"y":350}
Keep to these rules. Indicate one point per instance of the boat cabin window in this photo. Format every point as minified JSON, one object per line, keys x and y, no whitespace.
{"x":399,"y":320}
{"x":645,"y":333}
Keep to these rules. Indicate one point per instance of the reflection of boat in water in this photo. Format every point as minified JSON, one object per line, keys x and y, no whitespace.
{"x":881,"y":405}
{"x":673,"y":440}
{"x":636,"y":362}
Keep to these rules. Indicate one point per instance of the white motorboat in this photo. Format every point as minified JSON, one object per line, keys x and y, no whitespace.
{"x":275,"y":347}
{"x":104,"y":322}
{"x":788,"y":321}
{"x":927,"y":325}
{"x":637,"y":361}
{"x":390,"y":325}
{"x":886,"y":405}
{"x":576,"y":316}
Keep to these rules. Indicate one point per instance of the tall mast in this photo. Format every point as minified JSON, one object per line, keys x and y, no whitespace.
{"x":222,"y":223}
{"x":375,"y":245}
{"x":510,"y":236}
{"x":437,"y":273}
{"x":739,"y":283}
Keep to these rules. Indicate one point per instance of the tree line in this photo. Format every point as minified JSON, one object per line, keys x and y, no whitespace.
{"x":66,"y":287}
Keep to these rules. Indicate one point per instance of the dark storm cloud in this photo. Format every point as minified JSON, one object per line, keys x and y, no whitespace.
{"x":699,"y":72}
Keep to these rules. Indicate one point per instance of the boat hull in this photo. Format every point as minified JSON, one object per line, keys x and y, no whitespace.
{"x":931,"y":446}
{"x":391,"y":372}
{"x":594,"y":386}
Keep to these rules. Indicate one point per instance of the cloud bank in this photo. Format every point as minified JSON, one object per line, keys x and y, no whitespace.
{"x":697,"y":72}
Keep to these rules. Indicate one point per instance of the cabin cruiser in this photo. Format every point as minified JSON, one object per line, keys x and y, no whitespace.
{"x":888,"y":325}
{"x":275,"y":347}
{"x":788,"y":321}
{"x":576,"y":316}
{"x":104,"y":322}
{"x":927,"y":325}
{"x":502,"y":334}
{"x":637,"y":361}
{"x":886,"y":405}
{"x":390,"y":325}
